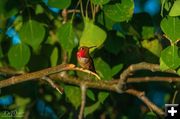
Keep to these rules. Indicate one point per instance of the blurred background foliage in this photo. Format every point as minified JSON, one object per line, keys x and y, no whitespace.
{"x":35,"y":35}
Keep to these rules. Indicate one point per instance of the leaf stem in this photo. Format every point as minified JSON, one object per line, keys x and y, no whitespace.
{"x":93,"y":10}
{"x":75,"y":11}
{"x":81,"y":6}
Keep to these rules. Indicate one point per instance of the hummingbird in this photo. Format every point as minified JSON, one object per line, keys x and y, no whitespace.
{"x":84,"y":59}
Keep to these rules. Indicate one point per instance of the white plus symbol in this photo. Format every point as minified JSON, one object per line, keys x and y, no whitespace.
{"x":172,"y":111}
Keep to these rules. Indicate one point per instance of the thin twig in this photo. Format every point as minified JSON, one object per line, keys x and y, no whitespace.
{"x":92,"y":10}
{"x":87,"y":5}
{"x":52,"y":84}
{"x":97,"y":8}
{"x":86,"y":71}
{"x":83,"y":100}
{"x":64,"y":15}
{"x":81,"y":7}
{"x":153,"y":79}
{"x":143,"y":98}
{"x":174,"y":96}
{"x":73,"y":11}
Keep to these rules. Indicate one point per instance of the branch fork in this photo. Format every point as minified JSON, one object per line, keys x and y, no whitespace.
{"x":117,"y":85}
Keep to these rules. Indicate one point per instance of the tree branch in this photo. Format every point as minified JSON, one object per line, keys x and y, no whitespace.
{"x":83,"y":100}
{"x":35,"y":75}
{"x":112,"y":85}
{"x":153,"y":79}
{"x":140,"y":66}
{"x":10,"y":71}
{"x":143,"y":98}
{"x":42,"y":73}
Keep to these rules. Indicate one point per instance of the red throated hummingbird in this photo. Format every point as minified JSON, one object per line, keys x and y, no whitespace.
{"x":84,"y":59}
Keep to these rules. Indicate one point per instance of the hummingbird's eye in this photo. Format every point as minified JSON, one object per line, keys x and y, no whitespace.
{"x":82,"y":48}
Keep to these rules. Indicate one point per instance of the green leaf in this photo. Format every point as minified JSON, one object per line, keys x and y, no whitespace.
{"x":66,"y":37}
{"x":39,"y":9}
{"x":105,"y":21}
{"x":163,"y":66}
{"x":178,"y":71}
{"x":170,"y":57}
{"x":21,"y":103}
{"x":165,"y":5}
{"x":150,"y":115}
{"x":171,"y":27}
{"x":90,"y":109}
{"x":119,"y":11}
{"x":100,"y":2}
{"x":175,"y":10}
{"x":32,"y":33}
{"x":92,"y":35}
{"x":151,"y":50}
{"x":153,"y":46}
{"x":102,"y":96}
{"x":54,"y":57}
{"x":90,"y":94}
{"x":7,"y":8}
{"x":116,"y":69}
{"x":103,"y":69}
{"x":59,"y":3}
{"x":147,"y":32}
{"x":74,"y":95}
{"x":19,"y":55}
{"x":1,"y":53}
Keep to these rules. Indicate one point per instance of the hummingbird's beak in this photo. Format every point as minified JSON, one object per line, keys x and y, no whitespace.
{"x":92,"y":47}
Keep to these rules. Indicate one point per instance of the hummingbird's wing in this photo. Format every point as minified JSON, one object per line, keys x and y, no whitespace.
{"x":86,"y":63}
{"x":91,"y":65}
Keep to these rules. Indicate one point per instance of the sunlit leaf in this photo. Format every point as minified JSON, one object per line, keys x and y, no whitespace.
{"x":175,"y":10}
{"x":119,"y":12}
{"x":163,"y":66}
{"x":171,"y":28}
{"x":19,"y":55}
{"x":92,"y":35}
{"x":170,"y":58}
{"x":153,"y":46}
